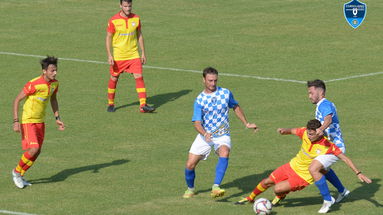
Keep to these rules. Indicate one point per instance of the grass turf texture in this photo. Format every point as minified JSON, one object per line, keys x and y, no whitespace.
{"x":132,"y":163}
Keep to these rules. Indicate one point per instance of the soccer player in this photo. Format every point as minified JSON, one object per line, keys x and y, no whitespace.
{"x":37,"y":92}
{"x":124,"y":34}
{"x":295,"y":175}
{"x":211,"y":120}
{"x":326,"y":113}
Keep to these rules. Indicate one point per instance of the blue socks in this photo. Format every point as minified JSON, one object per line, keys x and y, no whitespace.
{"x":219,"y":173}
{"x":323,"y":188}
{"x":334,"y":180}
{"x":220,"y":170}
{"x":189,"y":177}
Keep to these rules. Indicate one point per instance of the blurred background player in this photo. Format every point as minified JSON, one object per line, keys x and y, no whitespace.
{"x":295,"y":175}
{"x":124,"y":34}
{"x":38,"y":92}
{"x":326,"y":113}
{"x":211,"y":120}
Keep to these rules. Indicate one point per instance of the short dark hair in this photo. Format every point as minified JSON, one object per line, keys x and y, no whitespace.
{"x":313,"y":124}
{"x":48,"y":61}
{"x":209,"y":70}
{"x":128,"y":1}
{"x":317,"y":83}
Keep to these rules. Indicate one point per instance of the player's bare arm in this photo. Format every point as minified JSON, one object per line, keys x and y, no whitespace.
{"x":241,"y":116}
{"x":327,"y":122}
{"x":358,"y":173}
{"x":108,"y":45}
{"x":199,"y":128}
{"x":142,"y":46}
{"x":16,"y":122}
{"x":284,"y":131}
{"x":55,"y":109}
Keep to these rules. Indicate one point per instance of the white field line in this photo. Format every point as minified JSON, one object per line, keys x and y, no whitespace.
{"x":159,"y":68}
{"x":355,"y":76}
{"x":13,"y":212}
{"x":197,"y":71}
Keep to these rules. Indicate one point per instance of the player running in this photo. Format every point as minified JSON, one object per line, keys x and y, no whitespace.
{"x":211,"y":120}
{"x":38,"y":92}
{"x":295,"y":175}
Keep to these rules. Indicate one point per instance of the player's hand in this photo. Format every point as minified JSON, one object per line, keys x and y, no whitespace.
{"x":319,"y":132}
{"x":16,"y":127}
{"x":252,"y":126}
{"x":207,"y":137}
{"x":143,"y":59}
{"x":61,"y":125}
{"x":110,"y":60}
{"x":364,"y":178}
{"x":282,"y":131}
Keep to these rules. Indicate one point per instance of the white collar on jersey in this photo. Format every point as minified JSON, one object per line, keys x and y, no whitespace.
{"x":320,"y":101}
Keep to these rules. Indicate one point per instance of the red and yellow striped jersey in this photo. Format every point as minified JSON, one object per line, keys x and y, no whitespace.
{"x":38,"y":92}
{"x":309,"y":151}
{"x":125,"y":36}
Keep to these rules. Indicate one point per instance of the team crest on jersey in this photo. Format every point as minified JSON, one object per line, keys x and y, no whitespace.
{"x":318,"y":151}
{"x":133,"y":24}
{"x":214,"y":101}
{"x":355,"y":12}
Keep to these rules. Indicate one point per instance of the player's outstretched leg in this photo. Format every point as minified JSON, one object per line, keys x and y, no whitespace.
{"x":334,"y":180}
{"x":260,"y":188}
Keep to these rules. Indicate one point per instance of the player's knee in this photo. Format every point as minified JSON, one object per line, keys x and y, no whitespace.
{"x":34,"y":152}
{"x":137,"y":76}
{"x":278,"y":190}
{"x":114,"y":78}
{"x":315,"y":167}
{"x":190,"y":165}
{"x":224,"y":151}
{"x":268,"y":182}
{"x":312,"y":170}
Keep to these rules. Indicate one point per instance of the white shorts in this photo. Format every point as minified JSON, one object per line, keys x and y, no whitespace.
{"x":328,"y":160}
{"x":201,"y":147}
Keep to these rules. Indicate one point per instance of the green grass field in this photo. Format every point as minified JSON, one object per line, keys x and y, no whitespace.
{"x":132,"y":163}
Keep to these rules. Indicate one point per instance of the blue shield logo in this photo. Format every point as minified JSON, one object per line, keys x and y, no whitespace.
{"x":355,"y":12}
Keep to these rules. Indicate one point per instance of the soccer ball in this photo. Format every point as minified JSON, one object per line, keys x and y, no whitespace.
{"x":262,"y":206}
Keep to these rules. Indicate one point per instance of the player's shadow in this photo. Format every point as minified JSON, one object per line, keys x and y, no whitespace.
{"x":363,"y":192}
{"x":64,"y":174}
{"x":246,"y":184}
{"x":160,"y":99}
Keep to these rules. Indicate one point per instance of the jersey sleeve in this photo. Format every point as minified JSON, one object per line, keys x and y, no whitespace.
{"x":139,"y":25}
{"x":29,"y":89}
{"x":110,"y":27}
{"x":57,"y":89}
{"x":333,"y":149}
{"x":197,"y":113}
{"x":232,"y":101}
{"x":326,"y":109}
{"x":300,"y":132}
